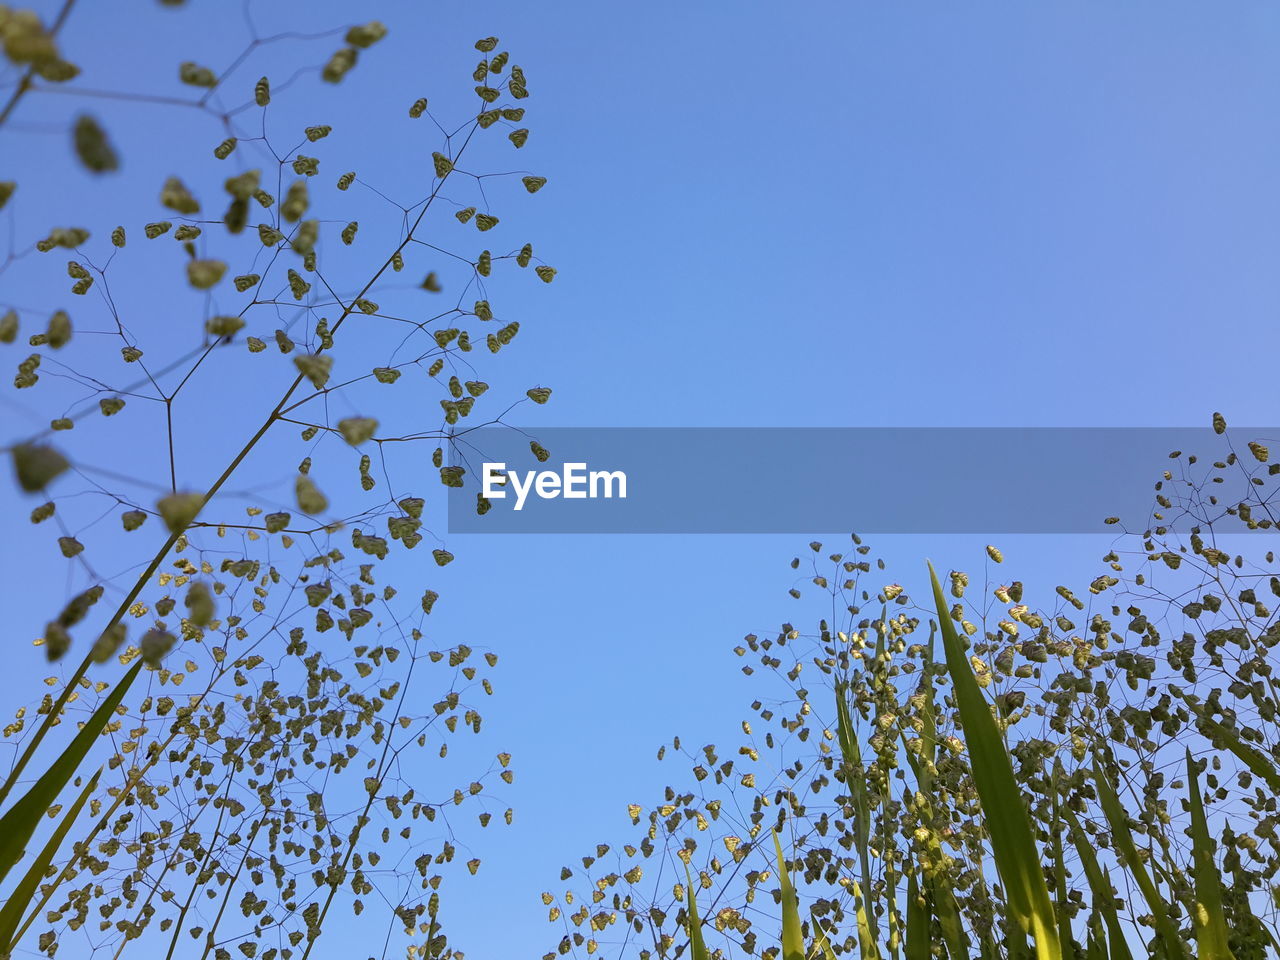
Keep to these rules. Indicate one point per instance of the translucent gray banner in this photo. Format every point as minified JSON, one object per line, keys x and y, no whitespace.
{"x":826,"y":480}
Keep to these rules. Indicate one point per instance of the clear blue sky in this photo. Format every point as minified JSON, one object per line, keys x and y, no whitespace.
{"x":811,"y":214}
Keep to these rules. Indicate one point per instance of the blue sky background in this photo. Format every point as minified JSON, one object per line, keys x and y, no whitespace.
{"x":821,"y":214}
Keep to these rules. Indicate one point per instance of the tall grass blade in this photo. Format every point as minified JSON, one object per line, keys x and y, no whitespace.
{"x":1168,"y":937}
{"x":940,"y":896}
{"x":697,"y":946}
{"x":11,"y":912}
{"x":1104,"y":896}
{"x":1253,"y":759}
{"x":852,"y":754}
{"x":1210,"y":924}
{"x":22,"y":819}
{"x":1012,"y":842}
{"x":1063,"y":906}
{"x":1096,"y":945}
{"x":867,"y":947}
{"x":916,"y":946}
{"x":822,"y":946}
{"x":792,"y":936}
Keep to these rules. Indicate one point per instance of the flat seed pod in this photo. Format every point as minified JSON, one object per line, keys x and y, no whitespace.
{"x":108,"y":642}
{"x":118,"y":237}
{"x":224,"y":326}
{"x":199,"y":603}
{"x":59,"y":331}
{"x":186,"y":232}
{"x":132,"y":519}
{"x":110,"y":406}
{"x":175,"y":195}
{"x":196,"y":75}
{"x":525,"y":254}
{"x":418,"y":108}
{"x":514,"y":114}
{"x":318,"y":132}
{"x":262,"y":92}
{"x":485,"y":222}
{"x":539,"y":394}
{"x":346,"y":180}
{"x":243,"y":185}
{"x":357,"y":430}
{"x":92,"y":146}
{"x":255,"y":345}
{"x":224,"y":149}
{"x":488,"y":118}
{"x":295,"y":202}
{"x":68,"y":237}
{"x":386,"y":374}
{"x":269,"y":235}
{"x":430,"y":283}
{"x":246,"y":280}
{"x":484,"y":265}
{"x":315,"y":367}
{"x":56,"y":641}
{"x":154,"y":645}
{"x":37,"y":465}
{"x":275,"y":522}
{"x":297,"y":286}
{"x":349,"y":232}
{"x":159,"y":228}
{"x":547,"y":274}
{"x":178,"y":510}
{"x":310,"y":500}
{"x":367,"y":34}
{"x":339,"y":65}
{"x":9,"y":326}
{"x":7,"y":187}
{"x":203,"y":274}
{"x":442,"y":557}
{"x":443,"y":165}
{"x":487,"y":94}
{"x":283,"y":341}
{"x":304,"y":240}
{"x":306,"y":166}
{"x":519,"y":137}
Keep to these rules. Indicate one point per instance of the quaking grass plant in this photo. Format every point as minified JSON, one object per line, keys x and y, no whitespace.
{"x":219,"y":763}
{"x":977,"y":777}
